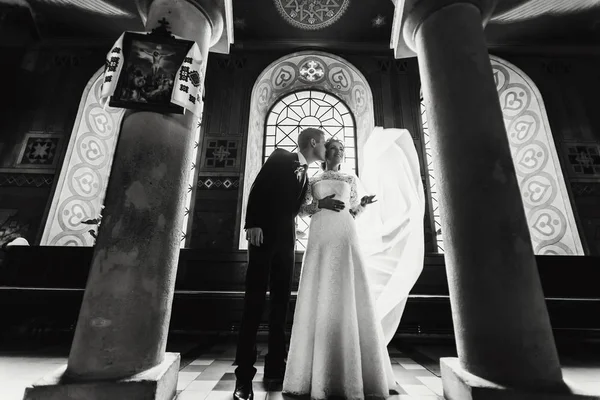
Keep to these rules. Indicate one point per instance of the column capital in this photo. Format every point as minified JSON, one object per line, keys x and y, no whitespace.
{"x":410,"y":14}
{"x":219,"y":14}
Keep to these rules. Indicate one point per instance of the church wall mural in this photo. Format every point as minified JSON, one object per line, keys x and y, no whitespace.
{"x":303,"y":70}
{"x":227,"y":115}
{"x":46,"y":82}
{"x":569,"y":87}
{"x":545,"y":198}
{"x":43,"y":124}
{"x":81,"y":187}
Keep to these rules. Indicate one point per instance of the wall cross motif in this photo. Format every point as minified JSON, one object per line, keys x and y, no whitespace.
{"x":221,"y":153}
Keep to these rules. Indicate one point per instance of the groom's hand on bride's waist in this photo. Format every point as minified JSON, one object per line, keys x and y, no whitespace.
{"x":330,"y":203}
{"x":254,"y":236}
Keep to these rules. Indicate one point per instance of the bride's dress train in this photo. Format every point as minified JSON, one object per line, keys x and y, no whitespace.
{"x":337,"y":346}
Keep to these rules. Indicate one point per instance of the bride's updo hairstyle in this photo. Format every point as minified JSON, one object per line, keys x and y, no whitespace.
{"x":328,"y":144}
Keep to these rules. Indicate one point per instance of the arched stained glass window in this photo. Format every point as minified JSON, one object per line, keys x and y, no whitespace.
{"x":309,"y":109}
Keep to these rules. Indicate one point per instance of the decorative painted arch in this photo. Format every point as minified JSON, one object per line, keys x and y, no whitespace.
{"x":545,"y":198}
{"x":81,"y":186}
{"x":300,"y":71}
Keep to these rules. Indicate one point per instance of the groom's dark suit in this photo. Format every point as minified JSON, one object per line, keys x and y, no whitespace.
{"x":273,"y":204}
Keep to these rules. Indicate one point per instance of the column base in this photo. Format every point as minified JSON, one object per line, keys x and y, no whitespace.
{"x":462,"y":385}
{"x":158,"y":383}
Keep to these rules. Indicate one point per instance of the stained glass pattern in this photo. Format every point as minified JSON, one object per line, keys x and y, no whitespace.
{"x":310,"y":109}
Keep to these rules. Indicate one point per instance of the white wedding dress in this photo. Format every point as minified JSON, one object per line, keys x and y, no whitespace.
{"x":356,"y":275}
{"x":337,"y":346}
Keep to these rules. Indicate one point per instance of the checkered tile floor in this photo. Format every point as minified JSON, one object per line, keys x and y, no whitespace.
{"x":207,"y":368}
{"x":211,"y":377}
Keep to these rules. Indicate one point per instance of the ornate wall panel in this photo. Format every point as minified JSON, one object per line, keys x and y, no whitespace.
{"x":304,"y":70}
{"x":311,"y":14}
{"x":83,"y":180}
{"x":544,"y":193}
{"x":584,"y":159}
{"x":39,"y":150}
{"x":81,"y":186}
{"x":545,"y":198}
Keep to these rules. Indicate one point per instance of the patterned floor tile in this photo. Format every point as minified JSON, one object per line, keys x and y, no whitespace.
{"x":202,"y":361}
{"x":417,"y":390}
{"x":220,"y":363}
{"x":188,"y":395}
{"x":182,"y":385}
{"x":210,"y":376}
{"x":433,"y":383}
{"x":406,"y":379}
{"x":403,"y":360}
{"x":219,"y":395}
{"x":201,"y":386}
{"x":226,"y":386}
{"x":228,"y":377}
{"x":185,"y":378}
{"x":215,"y":371}
{"x":412,"y":366}
{"x":187,"y":375}
{"x":195,"y":368}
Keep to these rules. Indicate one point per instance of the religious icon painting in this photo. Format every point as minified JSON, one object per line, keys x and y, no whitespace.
{"x":149,"y":71}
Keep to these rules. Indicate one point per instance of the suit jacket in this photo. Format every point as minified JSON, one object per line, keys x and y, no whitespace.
{"x":276,"y":194}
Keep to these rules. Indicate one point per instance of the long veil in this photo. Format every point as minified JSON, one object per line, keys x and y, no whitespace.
{"x":391,"y":230}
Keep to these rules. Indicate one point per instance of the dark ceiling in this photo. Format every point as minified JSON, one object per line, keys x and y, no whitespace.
{"x":575,"y":27}
{"x":366,"y":24}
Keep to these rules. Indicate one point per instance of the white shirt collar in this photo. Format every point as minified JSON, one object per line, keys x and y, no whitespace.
{"x":301,"y":159}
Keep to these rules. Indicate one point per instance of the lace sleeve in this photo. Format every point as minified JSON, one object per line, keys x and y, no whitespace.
{"x":309,"y":205}
{"x":355,"y":207}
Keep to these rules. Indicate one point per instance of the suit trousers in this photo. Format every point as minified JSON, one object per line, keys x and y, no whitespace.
{"x":269,"y":265}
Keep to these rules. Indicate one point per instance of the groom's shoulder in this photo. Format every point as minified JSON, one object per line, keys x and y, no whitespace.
{"x":280,"y":151}
{"x":281,"y":154}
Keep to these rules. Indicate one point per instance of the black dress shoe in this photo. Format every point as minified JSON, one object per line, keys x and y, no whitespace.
{"x":243,"y":391}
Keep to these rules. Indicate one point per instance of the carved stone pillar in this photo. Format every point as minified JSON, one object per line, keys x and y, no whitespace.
{"x":504,"y":339}
{"x":119,"y":347}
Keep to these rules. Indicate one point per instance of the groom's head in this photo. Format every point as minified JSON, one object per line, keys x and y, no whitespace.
{"x":311,"y":142}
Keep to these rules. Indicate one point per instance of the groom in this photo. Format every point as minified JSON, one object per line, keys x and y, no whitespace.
{"x":273,"y":204}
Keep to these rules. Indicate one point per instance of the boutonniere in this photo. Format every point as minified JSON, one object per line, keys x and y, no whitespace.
{"x":300,"y":169}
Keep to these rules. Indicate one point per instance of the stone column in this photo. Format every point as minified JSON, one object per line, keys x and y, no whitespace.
{"x":504,"y":339}
{"x":119,"y":347}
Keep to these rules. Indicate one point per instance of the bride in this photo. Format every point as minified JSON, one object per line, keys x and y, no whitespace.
{"x":341,"y":329}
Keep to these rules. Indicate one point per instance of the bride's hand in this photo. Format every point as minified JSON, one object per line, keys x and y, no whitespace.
{"x":330,"y":204}
{"x":367,"y":200}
